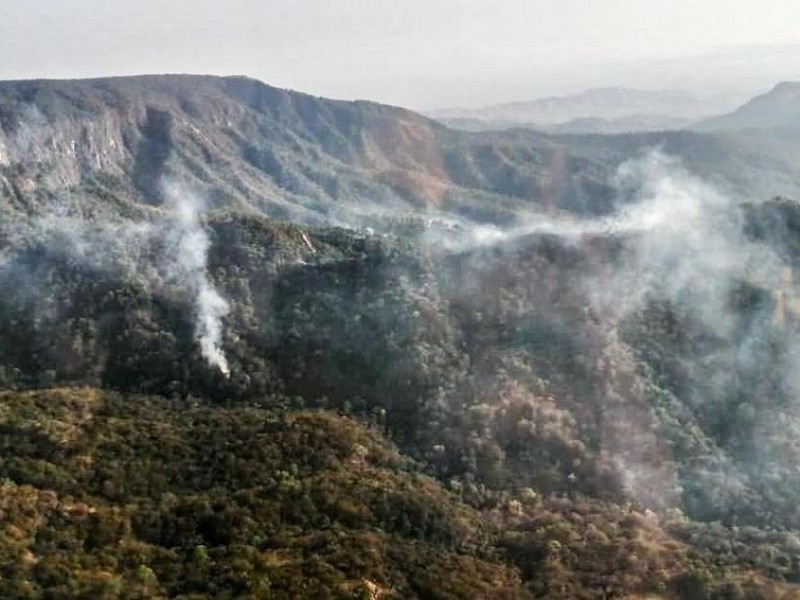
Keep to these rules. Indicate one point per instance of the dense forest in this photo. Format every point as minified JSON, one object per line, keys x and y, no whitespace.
{"x":201,"y":400}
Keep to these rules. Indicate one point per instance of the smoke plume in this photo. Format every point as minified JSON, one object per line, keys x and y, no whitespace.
{"x":187,"y":256}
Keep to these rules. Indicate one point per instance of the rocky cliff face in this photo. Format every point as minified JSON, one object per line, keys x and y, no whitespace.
{"x":248,"y":145}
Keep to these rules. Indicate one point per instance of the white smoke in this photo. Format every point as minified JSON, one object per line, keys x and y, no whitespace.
{"x":132,"y":249}
{"x":187,"y":264}
{"x":683,"y":236}
{"x":673,"y":240}
{"x":657,"y":198}
{"x":686,"y":244}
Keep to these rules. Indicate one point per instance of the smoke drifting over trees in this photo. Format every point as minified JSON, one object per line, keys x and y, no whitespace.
{"x":186,"y":261}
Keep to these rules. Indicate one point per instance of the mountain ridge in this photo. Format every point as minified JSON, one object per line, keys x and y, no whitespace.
{"x":286,"y":154}
{"x":108,"y":145}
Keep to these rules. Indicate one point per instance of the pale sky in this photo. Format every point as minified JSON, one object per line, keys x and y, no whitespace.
{"x":418,"y":53}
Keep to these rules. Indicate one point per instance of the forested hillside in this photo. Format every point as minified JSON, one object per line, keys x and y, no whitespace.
{"x":544,"y":369}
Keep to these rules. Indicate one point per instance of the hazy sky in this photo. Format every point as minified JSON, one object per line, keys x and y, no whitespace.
{"x":419,"y":53}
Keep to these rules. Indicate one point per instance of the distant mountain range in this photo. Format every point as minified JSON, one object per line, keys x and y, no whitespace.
{"x":602,"y":110}
{"x":629,"y":124}
{"x":619,"y":110}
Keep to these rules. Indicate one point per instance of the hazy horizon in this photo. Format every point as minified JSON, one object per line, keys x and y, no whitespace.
{"x":428,"y":55}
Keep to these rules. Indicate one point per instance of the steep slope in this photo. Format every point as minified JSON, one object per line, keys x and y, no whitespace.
{"x":246,"y":143}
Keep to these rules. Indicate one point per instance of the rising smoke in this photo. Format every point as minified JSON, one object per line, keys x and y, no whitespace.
{"x":174,"y":249}
{"x":186,"y":264}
